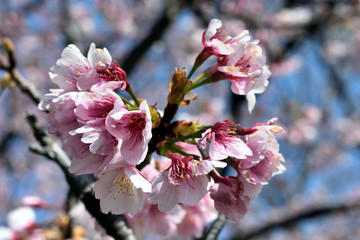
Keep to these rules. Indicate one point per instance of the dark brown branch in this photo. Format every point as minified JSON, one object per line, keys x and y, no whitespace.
{"x":296,"y":218}
{"x":215,"y":228}
{"x":81,"y":186}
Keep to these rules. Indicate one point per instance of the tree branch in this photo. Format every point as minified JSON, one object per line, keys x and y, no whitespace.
{"x":296,"y":218}
{"x":214,"y":230}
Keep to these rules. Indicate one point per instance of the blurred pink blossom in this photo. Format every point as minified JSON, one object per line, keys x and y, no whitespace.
{"x":34,"y":201}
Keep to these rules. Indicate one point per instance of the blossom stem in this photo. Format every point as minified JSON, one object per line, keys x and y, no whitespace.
{"x":202,"y":79}
{"x":175,"y":149}
{"x":193,"y":135}
{"x":126,"y":101}
{"x":203,"y":155}
{"x":193,"y":69}
{"x":198,"y":61}
{"x":132,"y":94}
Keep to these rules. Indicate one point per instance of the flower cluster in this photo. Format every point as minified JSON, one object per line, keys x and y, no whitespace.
{"x":113,"y":138}
{"x":98,"y":130}
{"x":239,"y":60}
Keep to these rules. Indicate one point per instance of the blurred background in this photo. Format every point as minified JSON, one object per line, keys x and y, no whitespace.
{"x":313,"y":50}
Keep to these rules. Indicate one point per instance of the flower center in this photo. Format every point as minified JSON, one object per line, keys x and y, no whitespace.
{"x":136,"y":122}
{"x":113,"y":73}
{"x":122,"y":185}
{"x":180,"y":170}
{"x":100,"y":109}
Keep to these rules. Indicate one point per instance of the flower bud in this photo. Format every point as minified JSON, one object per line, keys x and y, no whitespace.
{"x":184,"y":128}
{"x":155,"y":116}
{"x":176,"y":87}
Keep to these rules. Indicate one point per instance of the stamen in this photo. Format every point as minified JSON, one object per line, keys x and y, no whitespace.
{"x":122,"y":185}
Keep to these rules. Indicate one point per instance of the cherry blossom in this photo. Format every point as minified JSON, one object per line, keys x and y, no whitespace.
{"x":74,"y":72}
{"x":61,"y":107}
{"x":34,"y":201}
{"x":266,"y":160}
{"x":219,"y":44}
{"x":232,"y":196}
{"x":110,"y":136}
{"x":92,"y":108}
{"x":22,"y":219}
{"x":185,"y":182}
{"x":247,"y":71}
{"x":73,"y":66}
{"x":197,"y":218}
{"x":222,"y":141}
{"x":132,"y":129}
{"x":84,"y":161}
{"x":7,"y":233}
{"x":151,"y":222}
{"x":122,"y":188}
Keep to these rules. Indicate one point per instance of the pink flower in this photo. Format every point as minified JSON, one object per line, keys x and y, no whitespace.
{"x":197,"y":218}
{"x":121,"y":189}
{"x":73,"y":65}
{"x":218,"y":44}
{"x":266,"y":160}
{"x":33,"y":201}
{"x":93,"y":108}
{"x":185,"y":182}
{"x":232,"y":196}
{"x":99,"y":140}
{"x":61,"y":107}
{"x":222,"y":141}
{"x":109,"y":77}
{"x":305,"y":129}
{"x":188,"y":148}
{"x":132,"y":129}
{"x":150,"y":221}
{"x":246,"y":70}
{"x":74,"y":72}
{"x":83,"y":160}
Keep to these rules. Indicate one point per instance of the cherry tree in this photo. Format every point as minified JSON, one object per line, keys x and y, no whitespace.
{"x":176,"y":162}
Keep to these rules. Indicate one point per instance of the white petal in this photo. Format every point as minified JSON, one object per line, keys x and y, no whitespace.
{"x":98,"y":55}
{"x":137,"y":179}
{"x":214,"y":25}
{"x":218,"y":164}
{"x":222,"y":48}
{"x":250,"y":97}
{"x":204,"y":167}
{"x":103,"y":184}
{"x":90,"y":137}
{"x":83,"y":129}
